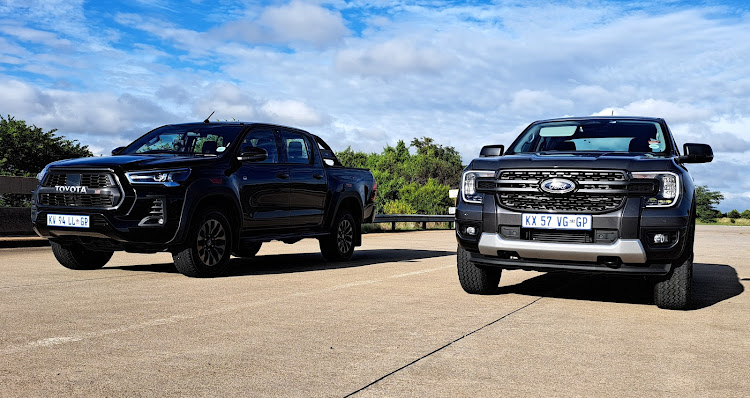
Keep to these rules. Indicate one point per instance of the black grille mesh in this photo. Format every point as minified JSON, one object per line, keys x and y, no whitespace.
{"x":96,"y":181}
{"x":527,"y":200}
{"x":68,"y":199}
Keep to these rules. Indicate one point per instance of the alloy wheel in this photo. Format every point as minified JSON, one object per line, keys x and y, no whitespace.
{"x":212,"y":242}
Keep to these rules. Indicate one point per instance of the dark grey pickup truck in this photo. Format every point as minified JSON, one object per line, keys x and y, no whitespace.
{"x":609,"y":195}
{"x":203,"y":191}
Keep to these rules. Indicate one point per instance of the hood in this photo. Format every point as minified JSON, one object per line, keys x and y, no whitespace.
{"x":134,"y":162}
{"x":576,"y":160}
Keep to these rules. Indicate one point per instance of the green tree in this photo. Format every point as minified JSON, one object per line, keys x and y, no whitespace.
{"x":705,"y":201}
{"x":25,"y":150}
{"x":411,"y":183}
{"x":745,"y":214}
{"x":733,"y":214}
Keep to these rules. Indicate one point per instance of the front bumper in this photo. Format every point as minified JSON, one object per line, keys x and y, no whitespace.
{"x":627,"y":250}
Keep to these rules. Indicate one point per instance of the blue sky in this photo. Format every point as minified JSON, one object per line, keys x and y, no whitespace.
{"x":368,"y":73}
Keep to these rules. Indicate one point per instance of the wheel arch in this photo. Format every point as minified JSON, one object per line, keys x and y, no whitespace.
{"x":222,"y":200}
{"x":353,"y":205}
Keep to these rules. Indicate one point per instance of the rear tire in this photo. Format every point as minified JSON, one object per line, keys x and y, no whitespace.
{"x":339,"y":245}
{"x":476,"y":280}
{"x":208,"y":247}
{"x":248,"y":251}
{"x":78,"y":257}
{"x":675,"y":292}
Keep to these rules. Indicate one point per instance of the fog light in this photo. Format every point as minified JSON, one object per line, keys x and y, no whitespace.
{"x":661,"y":238}
{"x":471,"y":231}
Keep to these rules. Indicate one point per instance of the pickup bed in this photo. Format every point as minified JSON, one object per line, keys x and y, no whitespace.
{"x":607,"y":195}
{"x":203,"y":191}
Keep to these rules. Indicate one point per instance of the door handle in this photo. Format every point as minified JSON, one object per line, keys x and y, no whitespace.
{"x":282,"y":175}
{"x":317,"y":176}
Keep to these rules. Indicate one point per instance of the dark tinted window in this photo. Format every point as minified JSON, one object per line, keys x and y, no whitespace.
{"x":262,"y":139}
{"x":295,"y":146}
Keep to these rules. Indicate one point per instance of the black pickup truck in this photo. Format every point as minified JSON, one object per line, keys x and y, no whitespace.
{"x":608,"y":195}
{"x":203,"y":191}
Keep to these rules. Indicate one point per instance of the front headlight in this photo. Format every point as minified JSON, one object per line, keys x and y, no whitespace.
{"x":469,"y":185}
{"x":40,"y":176}
{"x":168,"y":178}
{"x":669,"y":188}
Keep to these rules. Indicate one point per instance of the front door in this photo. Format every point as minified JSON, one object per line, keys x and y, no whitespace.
{"x":264,"y":186}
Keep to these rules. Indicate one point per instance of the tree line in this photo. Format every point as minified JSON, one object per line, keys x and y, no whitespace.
{"x":408,"y":183}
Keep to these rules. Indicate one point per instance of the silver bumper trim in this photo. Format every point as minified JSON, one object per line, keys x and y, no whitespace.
{"x":629,"y":250}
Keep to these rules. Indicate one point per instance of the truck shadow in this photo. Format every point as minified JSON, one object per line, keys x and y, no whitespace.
{"x":712,"y":284}
{"x":302,"y":262}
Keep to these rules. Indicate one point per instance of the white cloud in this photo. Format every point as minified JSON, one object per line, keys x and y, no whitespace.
{"x":671,"y":112}
{"x":393,"y":57}
{"x":532,"y":102}
{"x":303,"y":22}
{"x":292,"y":113}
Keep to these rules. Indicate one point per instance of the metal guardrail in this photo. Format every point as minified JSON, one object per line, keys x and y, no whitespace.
{"x":423,"y":218}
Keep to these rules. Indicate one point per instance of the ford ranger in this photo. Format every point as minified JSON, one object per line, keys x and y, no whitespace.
{"x":605,"y":195}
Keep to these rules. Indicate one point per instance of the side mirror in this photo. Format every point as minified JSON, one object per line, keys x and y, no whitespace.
{"x":491,"y":150}
{"x":253,"y":154}
{"x":117,"y":150}
{"x":697,"y":153}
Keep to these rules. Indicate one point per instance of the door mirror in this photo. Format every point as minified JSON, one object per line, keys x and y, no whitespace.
{"x":117,"y":150}
{"x":253,"y":154}
{"x":491,"y":150}
{"x":697,"y":153}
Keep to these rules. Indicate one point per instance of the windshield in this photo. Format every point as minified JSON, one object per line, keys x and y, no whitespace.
{"x":203,"y":140}
{"x":637,"y":136}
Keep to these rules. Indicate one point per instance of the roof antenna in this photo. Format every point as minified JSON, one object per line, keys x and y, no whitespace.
{"x":209,"y":117}
{"x":613,"y":112}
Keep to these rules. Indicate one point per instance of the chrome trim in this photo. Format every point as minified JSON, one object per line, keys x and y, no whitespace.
{"x":629,"y":250}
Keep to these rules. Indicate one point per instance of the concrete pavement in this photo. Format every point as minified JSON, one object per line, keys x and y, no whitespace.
{"x":391,"y":322}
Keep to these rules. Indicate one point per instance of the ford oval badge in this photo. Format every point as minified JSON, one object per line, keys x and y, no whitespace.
{"x":557,"y":185}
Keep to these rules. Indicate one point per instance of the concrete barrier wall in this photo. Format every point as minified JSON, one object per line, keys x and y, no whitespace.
{"x":15,"y":221}
{"x":20,"y":185}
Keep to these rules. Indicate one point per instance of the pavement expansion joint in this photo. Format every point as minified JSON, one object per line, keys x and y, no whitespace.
{"x":442,"y":348}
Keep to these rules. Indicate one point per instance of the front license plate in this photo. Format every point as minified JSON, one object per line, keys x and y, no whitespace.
{"x":556,"y":221}
{"x":67,"y":220}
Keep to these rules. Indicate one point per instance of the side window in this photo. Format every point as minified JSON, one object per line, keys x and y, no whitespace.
{"x":262,"y":139}
{"x":296,"y":148}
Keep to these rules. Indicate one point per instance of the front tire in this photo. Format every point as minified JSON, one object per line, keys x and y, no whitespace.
{"x":675,"y":292}
{"x":476,"y":280}
{"x":78,"y":257}
{"x":339,"y":245}
{"x":208,"y":247}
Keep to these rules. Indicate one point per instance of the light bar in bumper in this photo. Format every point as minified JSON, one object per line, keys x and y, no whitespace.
{"x":628,"y":250}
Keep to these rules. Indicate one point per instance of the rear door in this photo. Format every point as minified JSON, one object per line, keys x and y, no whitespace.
{"x":308,"y":185}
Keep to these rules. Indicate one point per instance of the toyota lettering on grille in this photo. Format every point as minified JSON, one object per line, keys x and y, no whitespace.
{"x":557,"y":185}
{"x":71,"y":189}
